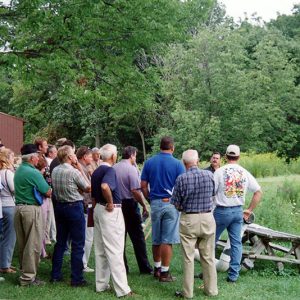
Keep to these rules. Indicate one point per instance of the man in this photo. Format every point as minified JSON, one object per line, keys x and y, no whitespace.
{"x":84,"y":155}
{"x":129,"y":186}
{"x":231,"y":184}
{"x":28,"y":216}
{"x":1,"y":218}
{"x":67,"y":180}
{"x":96,"y":160}
{"x":51,"y":153}
{"x":215,"y":162}
{"x":160,"y":172}
{"x":109,"y":229}
{"x":193,"y":196}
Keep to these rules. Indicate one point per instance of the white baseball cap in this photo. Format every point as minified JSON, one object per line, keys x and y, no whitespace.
{"x":233,"y":150}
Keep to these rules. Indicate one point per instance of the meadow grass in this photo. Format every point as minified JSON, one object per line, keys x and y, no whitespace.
{"x":266,"y":165}
{"x":279,"y":210}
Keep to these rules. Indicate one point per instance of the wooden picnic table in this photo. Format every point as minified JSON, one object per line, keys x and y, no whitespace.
{"x":263,"y":244}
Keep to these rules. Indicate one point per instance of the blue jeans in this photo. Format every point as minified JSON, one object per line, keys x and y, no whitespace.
{"x":70,"y":222}
{"x":8,"y":239}
{"x":231,"y":218}
{"x":165,"y":223}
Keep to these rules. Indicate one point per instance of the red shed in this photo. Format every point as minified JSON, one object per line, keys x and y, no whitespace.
{"x":11,"y":132}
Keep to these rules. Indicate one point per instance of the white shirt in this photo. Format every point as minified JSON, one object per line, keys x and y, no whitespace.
{"x":231,"y":185}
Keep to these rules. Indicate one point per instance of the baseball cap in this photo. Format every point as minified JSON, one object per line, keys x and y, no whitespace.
{"x":29,"y":149}
{"x":233,"y":150}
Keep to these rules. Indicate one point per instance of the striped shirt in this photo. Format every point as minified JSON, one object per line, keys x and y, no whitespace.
{"x":66,"y":180}
{"x":193,"y":191}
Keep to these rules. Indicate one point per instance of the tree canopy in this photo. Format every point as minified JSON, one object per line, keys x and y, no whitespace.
{"x":127,"y":72}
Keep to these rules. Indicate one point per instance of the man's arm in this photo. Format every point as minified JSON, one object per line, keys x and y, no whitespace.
{"x":255,"y":200}
{"x":137,"y":195}
{"x":144,"y":187}
{"x":106,"y":191}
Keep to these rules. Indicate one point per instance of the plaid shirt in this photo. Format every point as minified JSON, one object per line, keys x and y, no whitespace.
{"x":66,"y":180}
{"x":193,"y":191}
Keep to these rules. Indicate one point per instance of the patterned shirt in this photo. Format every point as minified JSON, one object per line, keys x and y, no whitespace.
{"x":193,"y":191}
{"x":66,"y":180}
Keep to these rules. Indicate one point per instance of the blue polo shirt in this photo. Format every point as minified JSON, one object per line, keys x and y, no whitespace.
{"x":105,"y":174}
{"x":161,"y":171}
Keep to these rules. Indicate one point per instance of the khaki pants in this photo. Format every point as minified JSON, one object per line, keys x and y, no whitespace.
{"x":29,"y":232}
{"x":109,"y":238}
{"x":199,"y":230}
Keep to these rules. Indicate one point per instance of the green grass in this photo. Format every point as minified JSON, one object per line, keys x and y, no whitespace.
{"x":279,"y":209}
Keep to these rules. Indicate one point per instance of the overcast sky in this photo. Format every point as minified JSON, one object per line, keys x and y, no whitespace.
{"x":267,"y":9}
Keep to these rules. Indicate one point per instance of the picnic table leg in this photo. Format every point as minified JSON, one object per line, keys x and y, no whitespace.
{"x":297,"y":253}
{"x":280,"y":265}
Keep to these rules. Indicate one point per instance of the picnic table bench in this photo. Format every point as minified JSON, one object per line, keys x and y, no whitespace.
{"x":262,"y":243}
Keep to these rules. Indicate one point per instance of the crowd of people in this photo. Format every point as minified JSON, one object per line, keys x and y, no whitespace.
{"x":79,"y":198}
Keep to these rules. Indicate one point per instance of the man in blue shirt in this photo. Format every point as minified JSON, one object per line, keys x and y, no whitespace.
{"x":160,"y":173}
{"x":109,"y":229}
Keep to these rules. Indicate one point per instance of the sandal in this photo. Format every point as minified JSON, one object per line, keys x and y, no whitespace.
{"x":7,"y":270}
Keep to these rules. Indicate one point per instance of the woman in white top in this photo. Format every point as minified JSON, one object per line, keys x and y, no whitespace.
{"x":8,"y":239}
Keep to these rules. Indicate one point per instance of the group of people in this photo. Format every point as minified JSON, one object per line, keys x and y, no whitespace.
{"x":96,"y":201}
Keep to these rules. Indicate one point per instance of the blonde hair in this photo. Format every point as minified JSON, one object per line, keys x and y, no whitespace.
{"x":4,"y":158}
{"x":63,"y":153}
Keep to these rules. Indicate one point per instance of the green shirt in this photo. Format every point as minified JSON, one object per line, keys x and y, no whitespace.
{"x":27,"y":177}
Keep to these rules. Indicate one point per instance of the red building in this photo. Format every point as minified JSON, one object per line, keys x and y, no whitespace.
{"x":11,"y":132}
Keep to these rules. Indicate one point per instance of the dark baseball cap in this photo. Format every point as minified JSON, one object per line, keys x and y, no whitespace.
{"x":29,"y":149}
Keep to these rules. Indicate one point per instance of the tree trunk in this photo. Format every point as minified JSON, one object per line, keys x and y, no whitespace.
{"x":143,"y":141}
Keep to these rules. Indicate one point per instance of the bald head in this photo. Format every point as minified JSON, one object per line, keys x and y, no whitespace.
{"x":190,"y":158}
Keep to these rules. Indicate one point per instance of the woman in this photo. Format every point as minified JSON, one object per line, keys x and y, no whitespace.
{"x":8,"y":240}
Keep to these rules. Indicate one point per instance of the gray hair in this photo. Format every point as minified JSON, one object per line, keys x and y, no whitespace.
{"x":190,"y":156}
{"x":107,"y":151}
{"x":27,"y":157}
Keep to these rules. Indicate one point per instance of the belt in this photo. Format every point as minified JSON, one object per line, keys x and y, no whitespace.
{"x":25,"y":204}
{"x":115,"y":205}
{"x":220,"y":206}
{"x":69,"y":203}
{"x":165,"y":199}
{"x":198,"y":212}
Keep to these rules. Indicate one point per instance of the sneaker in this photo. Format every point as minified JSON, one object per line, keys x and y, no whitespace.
{"x":79,"y":284}
{"x":230,"y":280}
{"x":157,"y":271}
{"x":179,"y":294}
{"x":166,"y":277}
{"x":88,"y":270}
{"x":35,"y":282}
{"x":2,"y":279}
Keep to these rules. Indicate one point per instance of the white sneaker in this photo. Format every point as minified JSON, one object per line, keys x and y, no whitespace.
{"x":2,"y":279}
{"x":88,"y":270}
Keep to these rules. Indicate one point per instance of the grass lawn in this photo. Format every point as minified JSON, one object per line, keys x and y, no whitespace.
{"x":264,"y":282}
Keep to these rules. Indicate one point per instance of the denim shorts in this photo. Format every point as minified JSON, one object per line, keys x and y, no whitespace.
{"x":165,"y":223}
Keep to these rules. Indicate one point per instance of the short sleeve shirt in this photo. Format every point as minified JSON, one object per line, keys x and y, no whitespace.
{"x":105,"y":174}
{"x":127,"y":177}
{"x":66,"y":180}
{"x":161,"y":171}
{"x":232,"y":182}
{"x":26,"y":178}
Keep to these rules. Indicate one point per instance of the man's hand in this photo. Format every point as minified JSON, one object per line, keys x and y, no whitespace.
{"x":246,"y":214}
{"x":145,"y":212}
{"x":109,"y":207}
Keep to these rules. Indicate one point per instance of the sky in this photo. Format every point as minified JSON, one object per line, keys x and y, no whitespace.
{"x":267,"y":9}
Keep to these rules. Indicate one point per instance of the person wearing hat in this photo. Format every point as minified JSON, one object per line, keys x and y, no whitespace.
{"x":28,"y":216}
{"x":231,"y":184}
